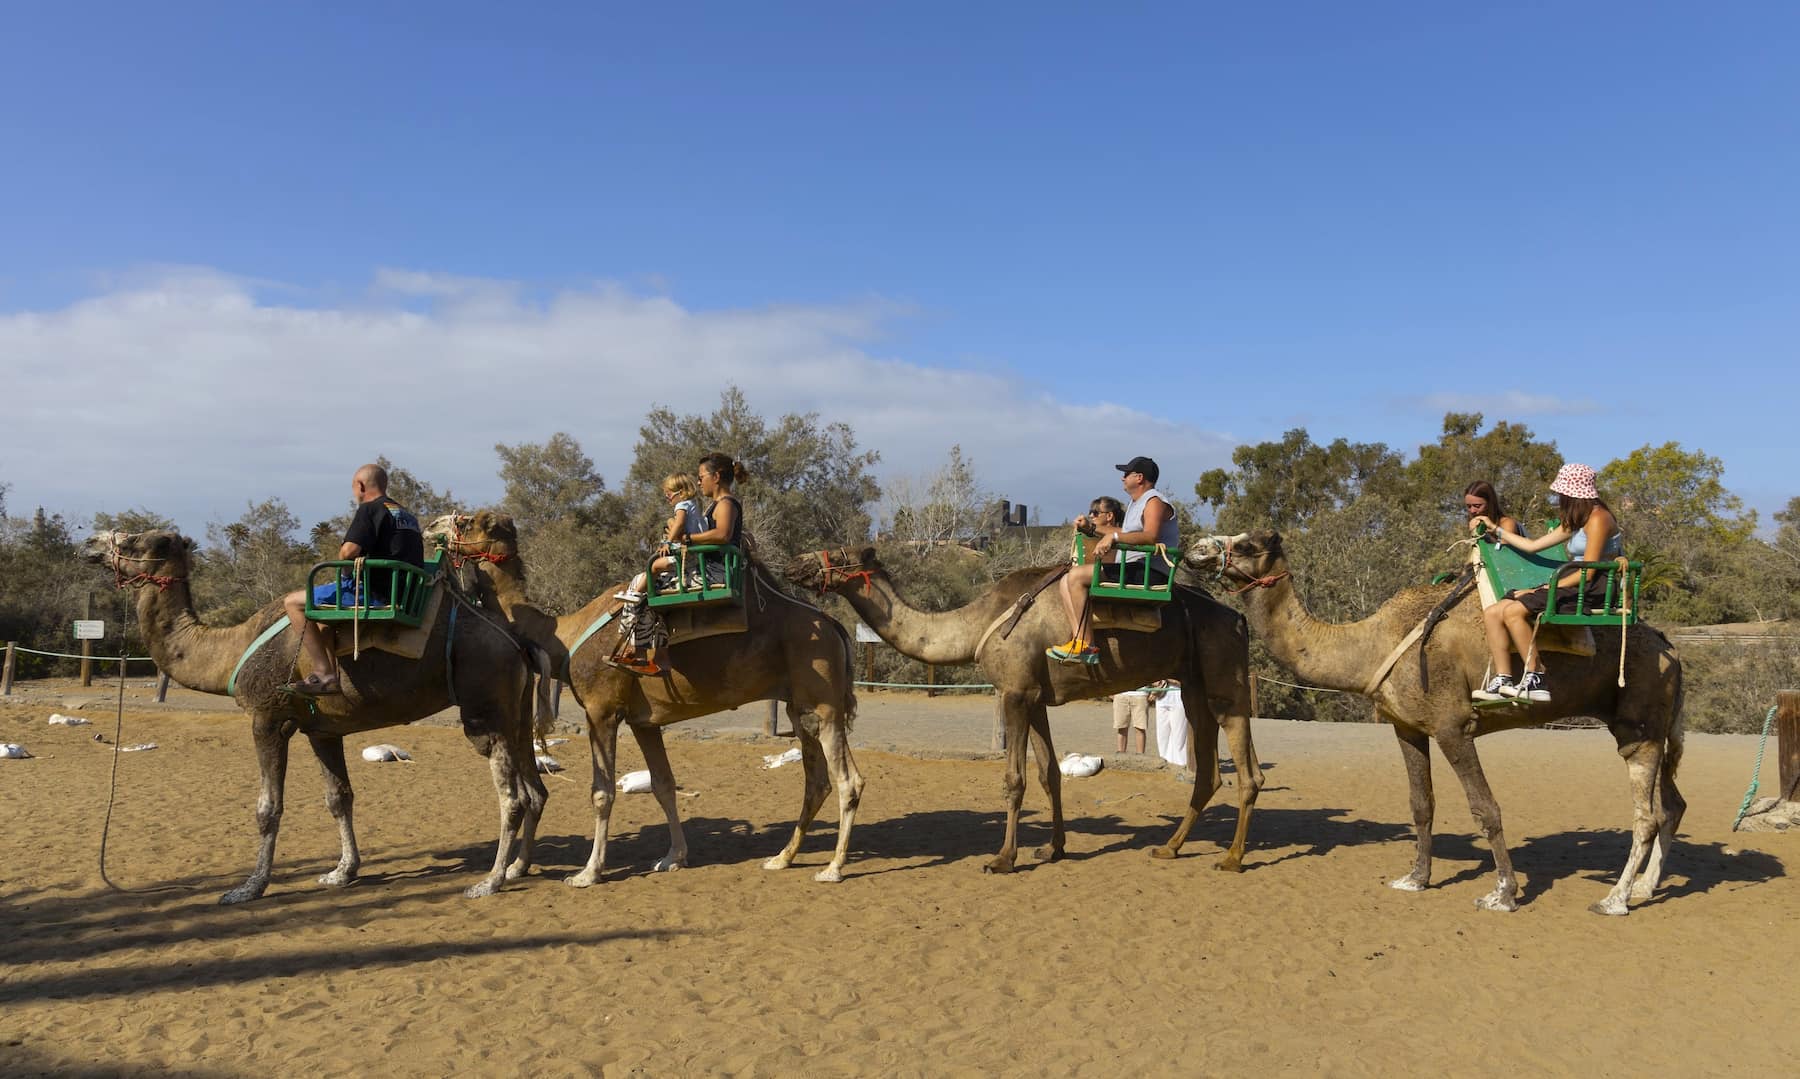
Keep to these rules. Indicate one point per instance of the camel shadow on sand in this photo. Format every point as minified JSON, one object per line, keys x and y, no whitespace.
{"x":1545,"y":861}
{"x":80,"y":926}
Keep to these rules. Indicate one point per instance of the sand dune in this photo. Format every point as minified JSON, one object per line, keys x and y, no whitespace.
{"x":917,"y":964}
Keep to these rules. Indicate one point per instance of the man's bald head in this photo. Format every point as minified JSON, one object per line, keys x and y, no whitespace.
{"x":372,"y":478}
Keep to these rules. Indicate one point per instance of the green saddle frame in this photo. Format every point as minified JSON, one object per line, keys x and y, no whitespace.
{"x":1509,"y":569}
{"x":408,"y":590}
{"x":694,"y":585}
{"x":1144,"y":590}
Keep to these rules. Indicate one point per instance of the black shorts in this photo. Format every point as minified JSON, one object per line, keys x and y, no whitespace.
{"x":1134,"y":573}
{"x":1536,"y":599}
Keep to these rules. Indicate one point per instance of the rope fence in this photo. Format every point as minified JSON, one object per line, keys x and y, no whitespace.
{"x":77,"y":655}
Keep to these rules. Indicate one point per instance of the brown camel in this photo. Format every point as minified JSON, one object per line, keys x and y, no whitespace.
{"x":487,"y":677}
{"x":1201,"y":642}
{"x":1644,"y":716}
{"x":789,"y":651}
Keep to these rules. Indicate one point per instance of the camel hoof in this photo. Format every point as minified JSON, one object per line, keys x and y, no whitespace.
{"x":1612,"y":908}
{"x":669,"y":863}
{"x":337,"y":878}
{"x":1230,"y":865}
{"x":1497,"y":901}
{"x":1407,"y":884}
{"x":1164,"y":854}
{"x":998,"y":865}
{"x":517,"y":871}
{"x":243,"y":893}
{"x":1641,"y":891}
{"x":587,"y":878}
{"x":482,"y":890}
{"x":828,"y":875}
{"x":1050,"y":854}
{"x":777,"y":863}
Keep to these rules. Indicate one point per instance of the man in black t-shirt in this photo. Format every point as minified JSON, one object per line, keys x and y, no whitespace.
{"x":381,"y":528}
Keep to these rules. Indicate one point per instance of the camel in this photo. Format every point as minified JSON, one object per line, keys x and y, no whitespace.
{"x":487,"y":677}
{"x":1434,"y":705}
{"x":1201,"y":642}
{"x":790,"y":652}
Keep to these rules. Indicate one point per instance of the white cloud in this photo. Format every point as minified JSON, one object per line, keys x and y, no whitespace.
{"x":193,"y":392}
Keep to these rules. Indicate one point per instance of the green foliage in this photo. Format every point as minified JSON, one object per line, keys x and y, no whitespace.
{"x":1284,"y":485}
{"x":250,"y":561}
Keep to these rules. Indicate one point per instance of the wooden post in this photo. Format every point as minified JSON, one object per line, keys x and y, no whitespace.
{"x":1787,"y":743}
{"x":6,"y":672}
{"x":998,"y":741}
{"x":868,"y":662}
{"x":931,"y":678}
{"x":162,"y":687}
{"x":769,"y":723}
{"x":87,"y":647}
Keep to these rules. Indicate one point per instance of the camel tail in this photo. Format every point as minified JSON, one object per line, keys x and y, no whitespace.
{"x":849,"y":675}
{"x":1672,"y":745}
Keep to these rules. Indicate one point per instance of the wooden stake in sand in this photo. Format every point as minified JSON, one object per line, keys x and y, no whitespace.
{"x":1787,"y":743}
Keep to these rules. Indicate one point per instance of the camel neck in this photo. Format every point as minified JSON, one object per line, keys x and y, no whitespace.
{"x":1326,"y":654}
{"x":947,"y":637}
{"x":506,"y":580}
{"x":198,"y":656}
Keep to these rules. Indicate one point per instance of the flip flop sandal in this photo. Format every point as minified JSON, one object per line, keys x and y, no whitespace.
{"x":314,"y":686}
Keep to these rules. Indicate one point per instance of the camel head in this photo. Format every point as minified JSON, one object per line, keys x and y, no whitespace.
{"x":159,"y":558}
{"x":824,"y":571}
{"x":1244,"y":559}
{"x":485,"y":534}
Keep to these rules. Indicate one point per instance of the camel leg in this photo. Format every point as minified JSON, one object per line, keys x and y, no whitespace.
{"x":524,"y":739}
{"x":340,"y":800}
{"x":849,"y":784}
{"x":513,"y":779}
{"x":1202,"y":731}
{"x":662,"y":784}
{"x":1415,"y":747}
{"x":1249,"y":779}
{"x":817,"y":785}
{"x":1016,"y":724}
{"x":603,"y":743}
{"x":1050,"y":778}
{"x":271,"y":736}
{"x":1671,"y":808}
{"x":1458,"y":748}
{"x":1643,"y":761}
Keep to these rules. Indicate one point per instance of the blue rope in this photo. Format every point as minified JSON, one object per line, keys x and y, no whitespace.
{"x":1756,"y":774}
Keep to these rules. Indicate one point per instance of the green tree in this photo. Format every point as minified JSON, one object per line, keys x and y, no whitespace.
{"x":1676,"y":513}
{"x":569,"y":522}
{"x":808,"y":485}
{"x":250,"y":561}
{"x":1284,"y":485}
{"x":1508,"y":456}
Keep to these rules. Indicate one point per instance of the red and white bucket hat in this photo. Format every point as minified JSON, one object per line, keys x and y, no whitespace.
{"x":1576,"y":481}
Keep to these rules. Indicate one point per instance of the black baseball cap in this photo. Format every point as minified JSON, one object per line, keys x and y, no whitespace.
{"x":1144,"y":465}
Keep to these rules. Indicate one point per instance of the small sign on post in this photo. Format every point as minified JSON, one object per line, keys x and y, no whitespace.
{"x":865,"y":635}
{"x":90,"y":629}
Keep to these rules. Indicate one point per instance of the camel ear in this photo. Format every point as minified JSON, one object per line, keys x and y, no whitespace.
{"x":187,"y":545}
{"x":867,"y":557}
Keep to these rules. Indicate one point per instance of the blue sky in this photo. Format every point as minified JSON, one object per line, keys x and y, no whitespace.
{"x":1056,"y":235}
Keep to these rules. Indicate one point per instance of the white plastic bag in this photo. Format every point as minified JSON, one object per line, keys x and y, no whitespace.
{"x":13,"y":751}
{"x":385,"y":752}
{"x":634,"y":782}
{"x":139,"y":748}
{"x":59,"y":720}
{"x":1080,"y":764}
{"x":547,"y":763}
{"x":776,"y":760}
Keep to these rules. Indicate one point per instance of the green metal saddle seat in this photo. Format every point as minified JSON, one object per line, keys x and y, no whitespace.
{"x":1135,"y":583}
{"x":705,"y":573}
{"x":1509,"y":569}
{"x":384,"y":591}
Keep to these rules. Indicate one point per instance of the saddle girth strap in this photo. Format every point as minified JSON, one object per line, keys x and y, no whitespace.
{"x":1009,"y":619}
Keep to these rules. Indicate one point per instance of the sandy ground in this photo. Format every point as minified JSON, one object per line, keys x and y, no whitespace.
{"x":918,"y":963}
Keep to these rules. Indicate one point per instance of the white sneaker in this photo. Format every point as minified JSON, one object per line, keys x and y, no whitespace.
{"x":1498,"y":688}
{"x":1532,"y":688}
{"x":629,"y":596}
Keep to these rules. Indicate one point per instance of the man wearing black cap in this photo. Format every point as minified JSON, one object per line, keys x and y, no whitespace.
{"x":1149,"y":518}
